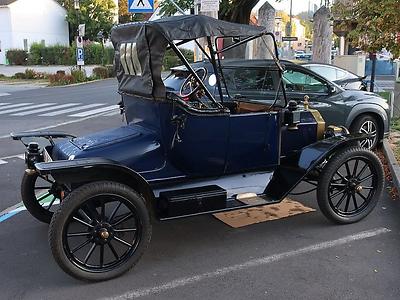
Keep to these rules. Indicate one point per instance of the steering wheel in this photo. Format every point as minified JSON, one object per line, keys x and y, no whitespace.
{"x":190,"y":86}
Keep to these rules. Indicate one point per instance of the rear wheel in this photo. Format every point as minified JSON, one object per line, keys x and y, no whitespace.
{"x":367,"y":124}
{"x":350,"y":185}
{"x":40,"y":196}
{"x":100,"y":231}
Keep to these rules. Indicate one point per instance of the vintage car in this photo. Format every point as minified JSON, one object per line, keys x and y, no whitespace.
{"x":185,"y":153}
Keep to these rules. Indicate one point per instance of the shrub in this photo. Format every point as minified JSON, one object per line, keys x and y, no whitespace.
{"x":19,"y":75}
{"x":172,"y":60}
{"x":78,"y":75}
{"x":2,"y":76}
{"x":111,"y":71}
{"x":61,"y":79}
{"x":100,"y":72}
{"x":30,"y":74}
{"x":17,"y":57}
{"x":36,"y":54}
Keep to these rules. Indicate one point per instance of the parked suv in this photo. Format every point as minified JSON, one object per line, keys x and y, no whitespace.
{"x":359,"y":111}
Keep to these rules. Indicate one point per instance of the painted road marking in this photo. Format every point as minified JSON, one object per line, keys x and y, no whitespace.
{"x":4,"y":94}
{"x":15,"y":209}
{"x":15,"y":105}
{"x":3,"y":160}
{"x":25,"y":108}
{"x":31,"y":112}
{"x":65,"y":111}
{"x":4,"y":103}
{"x":95,"y":111}
{"x":250,"y":264}
{"x":116,"y":112}
{"x":7,"y":136}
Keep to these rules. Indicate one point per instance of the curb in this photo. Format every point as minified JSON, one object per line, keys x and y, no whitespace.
{"x":392,"y":163}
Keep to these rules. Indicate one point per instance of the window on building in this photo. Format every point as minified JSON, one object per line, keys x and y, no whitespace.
{"x":26,"y":44}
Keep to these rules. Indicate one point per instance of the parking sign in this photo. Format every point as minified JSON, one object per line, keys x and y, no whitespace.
{"x":141,"y":6}
{"x":80,"y":57}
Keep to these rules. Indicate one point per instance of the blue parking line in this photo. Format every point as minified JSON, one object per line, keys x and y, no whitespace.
{"x":9,"y":215}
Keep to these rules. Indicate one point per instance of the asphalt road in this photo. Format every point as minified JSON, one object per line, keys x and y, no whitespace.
{"x":301,"y":257}
{"x":45,"y":107}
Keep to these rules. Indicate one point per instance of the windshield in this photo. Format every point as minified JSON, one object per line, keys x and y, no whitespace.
{"x":251,"y":71}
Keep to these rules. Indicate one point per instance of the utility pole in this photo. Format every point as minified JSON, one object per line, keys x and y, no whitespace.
{"x":290,"y":26}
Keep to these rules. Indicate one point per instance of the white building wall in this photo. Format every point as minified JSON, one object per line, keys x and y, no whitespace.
{"x":5,"y":28}
{"x":36,"y":21}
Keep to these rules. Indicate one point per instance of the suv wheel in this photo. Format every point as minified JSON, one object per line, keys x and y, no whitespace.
{"x":367,"y":124}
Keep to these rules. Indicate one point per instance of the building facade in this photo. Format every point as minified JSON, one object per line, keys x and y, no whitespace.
{"x":23,"y":22}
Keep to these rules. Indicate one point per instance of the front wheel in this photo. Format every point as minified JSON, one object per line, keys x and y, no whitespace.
{"x":367,"y":124}
{"x":100,"y":231}
{"x":350,"y":185}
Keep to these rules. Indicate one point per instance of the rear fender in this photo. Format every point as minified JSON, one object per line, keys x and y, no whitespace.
{"x":296,"y":166}
{"x":86,"y":170}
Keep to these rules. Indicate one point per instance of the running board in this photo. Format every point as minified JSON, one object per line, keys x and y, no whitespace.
{"x":204,"y":200}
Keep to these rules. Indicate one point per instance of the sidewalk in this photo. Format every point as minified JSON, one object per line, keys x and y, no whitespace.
{"x":11,"y":70}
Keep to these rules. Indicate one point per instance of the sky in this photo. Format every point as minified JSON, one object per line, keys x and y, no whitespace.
{"x":298,"y":5}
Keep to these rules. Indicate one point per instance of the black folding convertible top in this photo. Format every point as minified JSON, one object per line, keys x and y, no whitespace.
{"x":151,"y":40}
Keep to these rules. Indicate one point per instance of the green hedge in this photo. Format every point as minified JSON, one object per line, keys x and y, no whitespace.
{"x":172,"y":60}
{"x":94,"y":55}
{"x":60,"y":55}
{"x":17,"y":57}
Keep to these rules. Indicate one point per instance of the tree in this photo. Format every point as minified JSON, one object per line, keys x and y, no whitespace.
{"x":98,"y":15}
{"x":237,"y":11}
{"x":372,"y":24}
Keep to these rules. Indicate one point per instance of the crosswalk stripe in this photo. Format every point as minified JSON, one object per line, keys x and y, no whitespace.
{"x":4,"y":103}
{"x":117,"y":112}
{"x":65,"y":111}
{"x":95,"y":111}
{"x":4,"y":94}
{"x":24,"y":108}
{"x":15,"y":105}
{"x":31,"y":112}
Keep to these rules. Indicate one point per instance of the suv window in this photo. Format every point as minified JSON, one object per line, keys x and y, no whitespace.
{"x":297,"y":81}
{"x":253,"y":83}
{"x":327,"y":72}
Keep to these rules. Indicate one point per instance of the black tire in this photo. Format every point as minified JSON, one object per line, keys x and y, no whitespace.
{"x":79,"y":204}
{"x":340,"y":186}
{"x":367,"y":124}
{"x":32,"y":201}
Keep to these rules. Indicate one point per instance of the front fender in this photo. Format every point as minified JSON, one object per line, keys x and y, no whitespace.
{"x":365,"y":108}
{"x":296,"y":166}
{"x":79,"y":171}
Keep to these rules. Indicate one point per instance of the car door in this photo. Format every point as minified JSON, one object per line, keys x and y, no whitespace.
{"x":323,"y":95}
{"x":253,"y":136}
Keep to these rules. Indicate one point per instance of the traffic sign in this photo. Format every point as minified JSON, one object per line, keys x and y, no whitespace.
{"x":79,"y":42}
{"x":141,"y":6}
{"x":209,"y":5}
{"x":290,"y":39}
{"x":80,"y":57}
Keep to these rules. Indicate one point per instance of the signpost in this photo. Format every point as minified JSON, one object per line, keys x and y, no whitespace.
{"x":141,"y":6}
{"x":290,"y":39}
{"x":80,"y":52}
